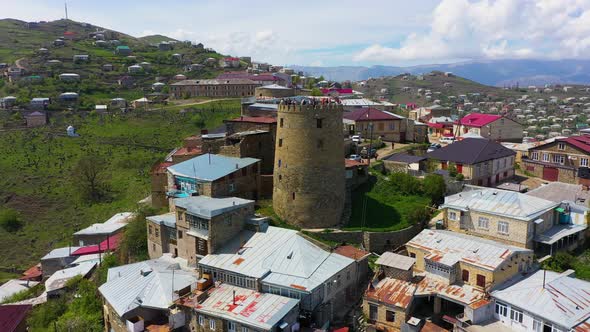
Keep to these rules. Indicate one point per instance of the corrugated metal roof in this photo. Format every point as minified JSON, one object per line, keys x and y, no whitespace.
{"x":564,"y":300}
{"x":359,"y":102}
{"x":257,"y":310}
{"x":60,"y":253}
{"x":391,"y":259}
{"x":12,"y":315}
{"x":558,"y":232}
{"x":59,"y":279}
{"x":201,"y":169}
{"x":500,"y":202}
{"x":14,"y":286}
{"x":280,"y":257}
{"x":207,"y":207}
{"x":110,"y":226}
{"x":449,"y":248}
{"x":127,"y":288}
{"x":465,"y":294}
{"x":392,"y":291}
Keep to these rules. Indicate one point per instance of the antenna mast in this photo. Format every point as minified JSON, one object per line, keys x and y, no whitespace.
{"x":66,"y":7}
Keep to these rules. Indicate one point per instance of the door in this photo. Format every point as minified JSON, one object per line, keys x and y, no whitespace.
{"x":550,"y":173}
{"x":465,"y":275}
{"x":443,"y":164}
{"x":497,"y":178}
{"x":481,"y":281}
{"x":460,"y":168}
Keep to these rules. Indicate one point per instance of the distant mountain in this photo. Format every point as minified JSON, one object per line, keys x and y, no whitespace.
{"x":492,"y":72}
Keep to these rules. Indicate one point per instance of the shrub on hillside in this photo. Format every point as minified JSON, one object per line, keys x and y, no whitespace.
{"x":10,"y":220}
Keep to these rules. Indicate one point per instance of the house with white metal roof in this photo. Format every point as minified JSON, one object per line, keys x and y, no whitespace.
{"x":544,"y":301}
{"x":96,"y":233}
{"x":57,"y":259}
{"x":506,"y":216}
{"x":142,"y":294}
{"x":281,"y":261}
{"x":215,"y":176}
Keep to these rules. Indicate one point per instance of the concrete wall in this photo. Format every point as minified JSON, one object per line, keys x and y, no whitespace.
{"x":381,"y":324}
{"x":309,"y":178}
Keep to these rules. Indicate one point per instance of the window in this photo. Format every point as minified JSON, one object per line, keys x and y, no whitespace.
{"x":318,"y":123}
{"x":212,"y":324}
{"x":537,"y":326}
{"x":195,"y":222}
{"x":201,"y":320}
{"x":584,"y":162}
{"x":293,"y":195}
{"x":244,"y":329}
{"x":153,"y":247}
{"x":279,"y":163}
{"x":281,"y":122}
{"x":227,"y":220}
{"x":413,"y":255}
{"x":561,"y":146}
{"x":559,"y":159}
{"x":280,"y":142}
{"x":390,"y":316}
{"x":483,"y":223}
{"x":232,"y":187}
{"x":501,"y":309}
{"x":481,"y":280}
{"x":150,"y":229}
{"x":231,"y":326}
{"x":535,"y":156}
{"x":452,"y":215}
{"x":546,"y":157}
{"x":180,"y":234}
{"x":392,"y":126}
{"x":157,"y":232}
{"x":502,"y":227}
{"x":465,"y":275}
{"x":516,"y":315}
{"x":373,"y":312}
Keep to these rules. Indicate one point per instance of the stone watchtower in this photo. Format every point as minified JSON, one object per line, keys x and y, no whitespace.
{"x":309,"y":175}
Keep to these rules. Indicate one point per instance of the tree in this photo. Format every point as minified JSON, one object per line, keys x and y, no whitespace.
{"x":10,"y":220}
{"x":134,"y":245}
{"x":434,"y":187}
{"x":91,"y":178}
{"x":452,"y":170}
{"x":316,"y":92}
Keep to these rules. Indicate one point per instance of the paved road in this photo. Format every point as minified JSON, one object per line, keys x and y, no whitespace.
{"x":18,"y":63}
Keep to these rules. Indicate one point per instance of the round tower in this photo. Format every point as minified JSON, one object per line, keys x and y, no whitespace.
{"x":309,"y":175}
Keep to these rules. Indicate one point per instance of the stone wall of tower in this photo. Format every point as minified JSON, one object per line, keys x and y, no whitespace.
{"x":309,"y":174}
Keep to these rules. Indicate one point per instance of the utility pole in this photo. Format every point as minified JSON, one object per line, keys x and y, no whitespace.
{"x":364,"y":214}
{"x":66,"y":7}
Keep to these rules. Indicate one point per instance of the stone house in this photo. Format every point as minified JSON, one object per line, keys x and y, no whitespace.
{"x":140,"y":296}
{"x":482,"y":162}
{"x":510,"y":217}
{"x":161,"y":235}
{"x":458,"y":270}
{"x":79,"y":58}
{"x":490,"y":126}
{"x":386,"y":125}
{"x":564,"y":160}
{"x":387,"y":304}
{"x":36,"y":119}
{"x":227,"y":88}
{"x":215,"y":176}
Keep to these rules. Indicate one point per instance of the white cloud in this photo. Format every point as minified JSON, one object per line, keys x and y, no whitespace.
{"x":464,"y":29}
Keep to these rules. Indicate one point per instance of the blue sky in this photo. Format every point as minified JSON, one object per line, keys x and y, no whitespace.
{"x":328,"y":33}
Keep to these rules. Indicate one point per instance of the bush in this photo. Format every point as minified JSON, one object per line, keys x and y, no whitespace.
{"x":460,"y":177}
{"x":10,"y":220}
{"x":560,"y":262}
{"x":134,"y":245}
{"x":434,"y":187}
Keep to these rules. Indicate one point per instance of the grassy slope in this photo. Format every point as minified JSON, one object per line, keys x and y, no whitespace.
{"x":36,"y":167}
{"x":153,"y":39}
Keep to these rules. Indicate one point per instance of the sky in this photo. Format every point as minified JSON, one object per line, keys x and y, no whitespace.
{"x":344,"y":32}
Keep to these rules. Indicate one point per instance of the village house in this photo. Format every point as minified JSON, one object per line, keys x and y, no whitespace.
{"x":385,"y":125}
{"x":482,"y":162}
{"x":39,"y":103}
{"x":493,"y":127}
{"x":36,"y":119}
{"x":426,"y":113}
{"x":69,"y":77}
{"x":57,"y":259}
{"x":543,"y":301}
{"x":8,"y":102}
{"x":229,"y":62}
{"x":273,"y":91}
{"x":78,"y":58}
{"x":215,"y":176}
{"x":140,"y":296}
{"x":458,"y":270}
{"x":514,"y":218}
{"x":405,"y":163}
{"x":563,"y":160}
{"x":96,"y":233}
{"x":441,"y":126}
{"x":123,"y":50}
{"x":213,"y":88}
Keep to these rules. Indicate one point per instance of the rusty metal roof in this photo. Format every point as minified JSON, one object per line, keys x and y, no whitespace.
{"x":448,"y":248}
{"x":392,"y":291}
{"x":464,"y":294}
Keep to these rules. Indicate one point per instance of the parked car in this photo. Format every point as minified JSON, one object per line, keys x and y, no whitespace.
{"x":365,"y":154}
{"x":355,"y":157}
{"x":434,"y":146}
{"x":356,"y":138}
{"x":447,"y":139}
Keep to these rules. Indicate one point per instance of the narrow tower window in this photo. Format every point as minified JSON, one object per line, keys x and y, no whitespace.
{"x":281,"y":122}
{"x":293,"y":195}
{"x":280,"y":142}
{"x":318,"y":123}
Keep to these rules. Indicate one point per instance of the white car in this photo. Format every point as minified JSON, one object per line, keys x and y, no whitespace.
{"x":356,"y":138}
{"x":447,"y":140}
{"x":355,"y":157}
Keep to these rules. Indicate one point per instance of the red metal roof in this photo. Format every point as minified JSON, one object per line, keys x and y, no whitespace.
{"x":254,"y":119}
{"x":33,"y":273}
{"x":161,"y":167}
{"x":111,"y":244}
{"x":351,"y":251}
{"x":349,"y":163}
{"x":370,"y":114}
{"x":326,"y":91}
{"x":435,"y":125}
{"x":184,"y":151}
{"x":581,"y":142}
{"x":478,"y":119}
{"x":12,"y":315}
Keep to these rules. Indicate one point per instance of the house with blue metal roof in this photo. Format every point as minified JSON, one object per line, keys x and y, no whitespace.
{"x":215,"y":176}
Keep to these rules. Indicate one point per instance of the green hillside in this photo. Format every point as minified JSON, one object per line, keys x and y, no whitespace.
{"x":20,"y":42}
{"x":154,"y":39}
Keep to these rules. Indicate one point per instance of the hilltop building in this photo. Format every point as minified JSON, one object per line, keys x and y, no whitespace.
{"x":493,"y":127}
{"x":309,"y":174}
{"x":213,"y":88}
